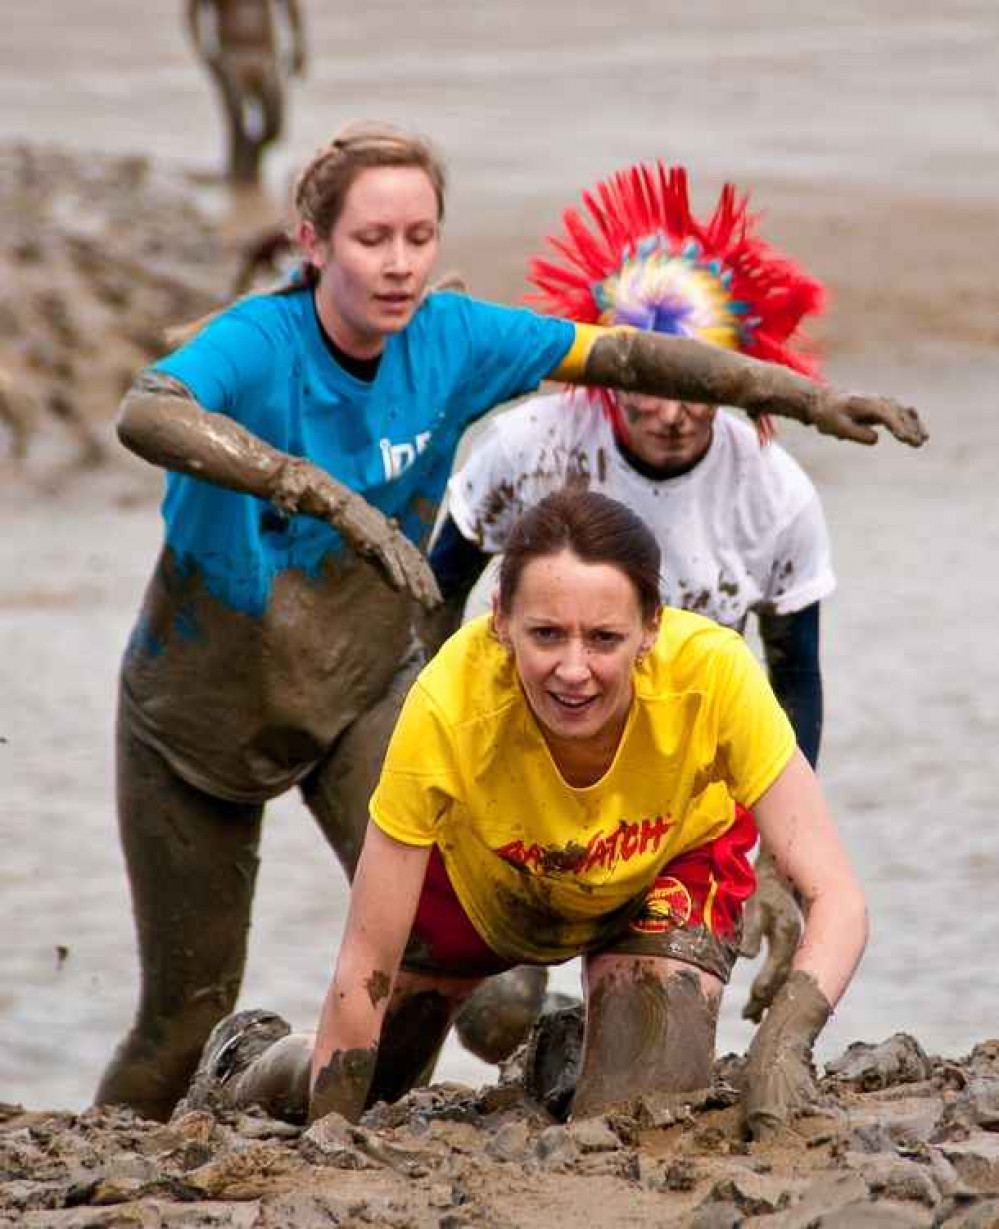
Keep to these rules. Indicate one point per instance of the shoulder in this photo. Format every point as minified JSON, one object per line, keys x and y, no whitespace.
{"x":445,"y":309}
{"x":766,"y":473}
{"x":552,"y":418}
{"x":688,"y":649}
{"x":471,"y":678}
{"x":275,"y":317}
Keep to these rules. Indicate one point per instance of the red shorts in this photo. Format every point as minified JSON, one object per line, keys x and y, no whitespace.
{"x":693,"y":913}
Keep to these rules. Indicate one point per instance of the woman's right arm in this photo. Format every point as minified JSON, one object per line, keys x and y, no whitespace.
{"x":383,"y":903}
{"x":161,"y":422}
{"x":682,"y":369}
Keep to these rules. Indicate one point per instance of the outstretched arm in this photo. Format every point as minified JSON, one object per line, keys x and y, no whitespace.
{"x":684,"y":370}
{"x":383,"y":900}
{"x":160,"y":421}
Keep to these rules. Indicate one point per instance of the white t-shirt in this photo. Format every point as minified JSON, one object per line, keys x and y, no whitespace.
{"x":742,"y":531}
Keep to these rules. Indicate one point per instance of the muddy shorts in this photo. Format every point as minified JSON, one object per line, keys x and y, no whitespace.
{"x":692,"y":913}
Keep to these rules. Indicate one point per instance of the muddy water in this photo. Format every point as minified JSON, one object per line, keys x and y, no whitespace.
{"x":872,"y":142}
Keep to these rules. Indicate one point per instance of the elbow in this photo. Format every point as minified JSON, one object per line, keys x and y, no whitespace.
{"x":132,"y":421}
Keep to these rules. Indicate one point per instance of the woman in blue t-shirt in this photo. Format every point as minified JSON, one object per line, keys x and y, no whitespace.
{"x":308,"y":434}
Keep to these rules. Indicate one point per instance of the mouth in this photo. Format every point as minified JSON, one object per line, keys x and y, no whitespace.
{"x":394,"y":301}
{"x":572,"y":704}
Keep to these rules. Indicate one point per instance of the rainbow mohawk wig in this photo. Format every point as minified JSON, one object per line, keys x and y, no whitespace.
{"x":645,"y":260}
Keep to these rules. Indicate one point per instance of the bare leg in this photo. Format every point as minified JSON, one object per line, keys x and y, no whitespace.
{"x":192,"y":866}
{"x":650,"y":1027}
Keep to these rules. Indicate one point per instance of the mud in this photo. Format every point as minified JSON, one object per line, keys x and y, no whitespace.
{"x":908,"y":1154}
{"x":888,"y":193}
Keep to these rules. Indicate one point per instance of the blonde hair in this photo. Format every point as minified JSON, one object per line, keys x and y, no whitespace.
{"x":322,"y":185}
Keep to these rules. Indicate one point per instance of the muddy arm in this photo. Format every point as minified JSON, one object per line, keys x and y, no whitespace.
{"x":383,"y":902}
{"x":797,"y":828}
{"x":161,"y":422}
{"x":685,"y":370}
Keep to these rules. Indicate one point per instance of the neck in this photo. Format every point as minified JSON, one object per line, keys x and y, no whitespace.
{"x":583,"y":762}
{"x":658,"y":473}
{"x":357,"y":345}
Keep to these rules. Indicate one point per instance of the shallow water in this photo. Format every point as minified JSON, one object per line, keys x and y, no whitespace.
{"x":831,"y":114}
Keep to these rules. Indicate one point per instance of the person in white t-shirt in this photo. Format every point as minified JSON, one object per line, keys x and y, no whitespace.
{"x":738,"y":521}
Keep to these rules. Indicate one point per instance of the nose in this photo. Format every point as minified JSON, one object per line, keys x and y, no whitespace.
{"x":573,"y":665}
{"x":399,"y":263}
{"x":671,"y":412}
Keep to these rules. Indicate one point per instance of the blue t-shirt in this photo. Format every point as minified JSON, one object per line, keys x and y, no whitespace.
{"x":265,"y":364}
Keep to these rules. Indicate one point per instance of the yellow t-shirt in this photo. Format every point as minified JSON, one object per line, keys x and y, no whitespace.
{"x":545,"y":870}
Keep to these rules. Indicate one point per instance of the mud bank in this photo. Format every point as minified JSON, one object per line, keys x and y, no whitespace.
{"x":99,"y":255}
{"x":901,"y":1139}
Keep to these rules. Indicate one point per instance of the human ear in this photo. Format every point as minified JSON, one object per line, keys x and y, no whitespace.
{"x":501,"y":626}
{"x":650,"y":633}
{"x":308,"y":240}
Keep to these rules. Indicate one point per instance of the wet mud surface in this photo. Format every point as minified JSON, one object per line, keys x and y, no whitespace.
{"x":900,"y":1139}
{"x":888,"y":193}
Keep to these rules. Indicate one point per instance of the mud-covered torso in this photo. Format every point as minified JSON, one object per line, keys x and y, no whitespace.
{"x":243,"y":706}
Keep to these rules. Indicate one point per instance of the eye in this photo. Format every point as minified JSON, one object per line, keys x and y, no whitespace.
{"x":545,"y":635}
{"x":605,"y":639}
{"x":421,"y":238}
{"x":369,"y":239}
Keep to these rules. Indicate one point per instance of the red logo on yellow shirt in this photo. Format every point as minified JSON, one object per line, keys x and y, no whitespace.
{"x":603,"y":850}
{"x":668,"y":904}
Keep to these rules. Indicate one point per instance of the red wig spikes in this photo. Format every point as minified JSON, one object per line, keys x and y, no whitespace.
{"x":642,"y":258}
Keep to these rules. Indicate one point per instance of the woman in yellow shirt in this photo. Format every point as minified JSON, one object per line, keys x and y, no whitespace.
{"x":573,"y":776}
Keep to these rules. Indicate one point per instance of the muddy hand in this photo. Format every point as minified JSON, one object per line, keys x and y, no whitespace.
{"x":780,"y":1078}
{"x":302,"y":487}
{"x":853,"y":416}
{"x":771,"y":914}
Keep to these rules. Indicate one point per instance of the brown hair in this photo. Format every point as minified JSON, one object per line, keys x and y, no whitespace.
{"x":323,"y":183}
{"x":596,"y":529}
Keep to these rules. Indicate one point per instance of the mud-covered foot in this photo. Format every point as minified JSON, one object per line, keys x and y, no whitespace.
{"x":500,"y":1014}
{"x":231,"y":1046}
{"x":553,"y":1059}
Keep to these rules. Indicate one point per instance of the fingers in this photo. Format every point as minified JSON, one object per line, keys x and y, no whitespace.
{"x":854,"y":417}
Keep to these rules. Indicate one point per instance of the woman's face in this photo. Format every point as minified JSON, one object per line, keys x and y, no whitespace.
{"x":375,"y":262}
{"x":575,"y":630}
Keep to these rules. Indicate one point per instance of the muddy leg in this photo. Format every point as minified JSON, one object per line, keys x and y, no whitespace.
{"x":650,"y":1027}
{"x":417,"y":1021}
{"x":500,"y":1015}
{"x":278,"y":1080}
{"x":338,"y":791}
{"x":242,"y":152}
{"x":192,"y":865}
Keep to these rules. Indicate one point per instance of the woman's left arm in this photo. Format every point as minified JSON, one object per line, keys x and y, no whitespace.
{"x":796,"y":825}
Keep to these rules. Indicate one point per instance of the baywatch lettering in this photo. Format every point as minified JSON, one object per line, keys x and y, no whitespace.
{"x":623,"y":843}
